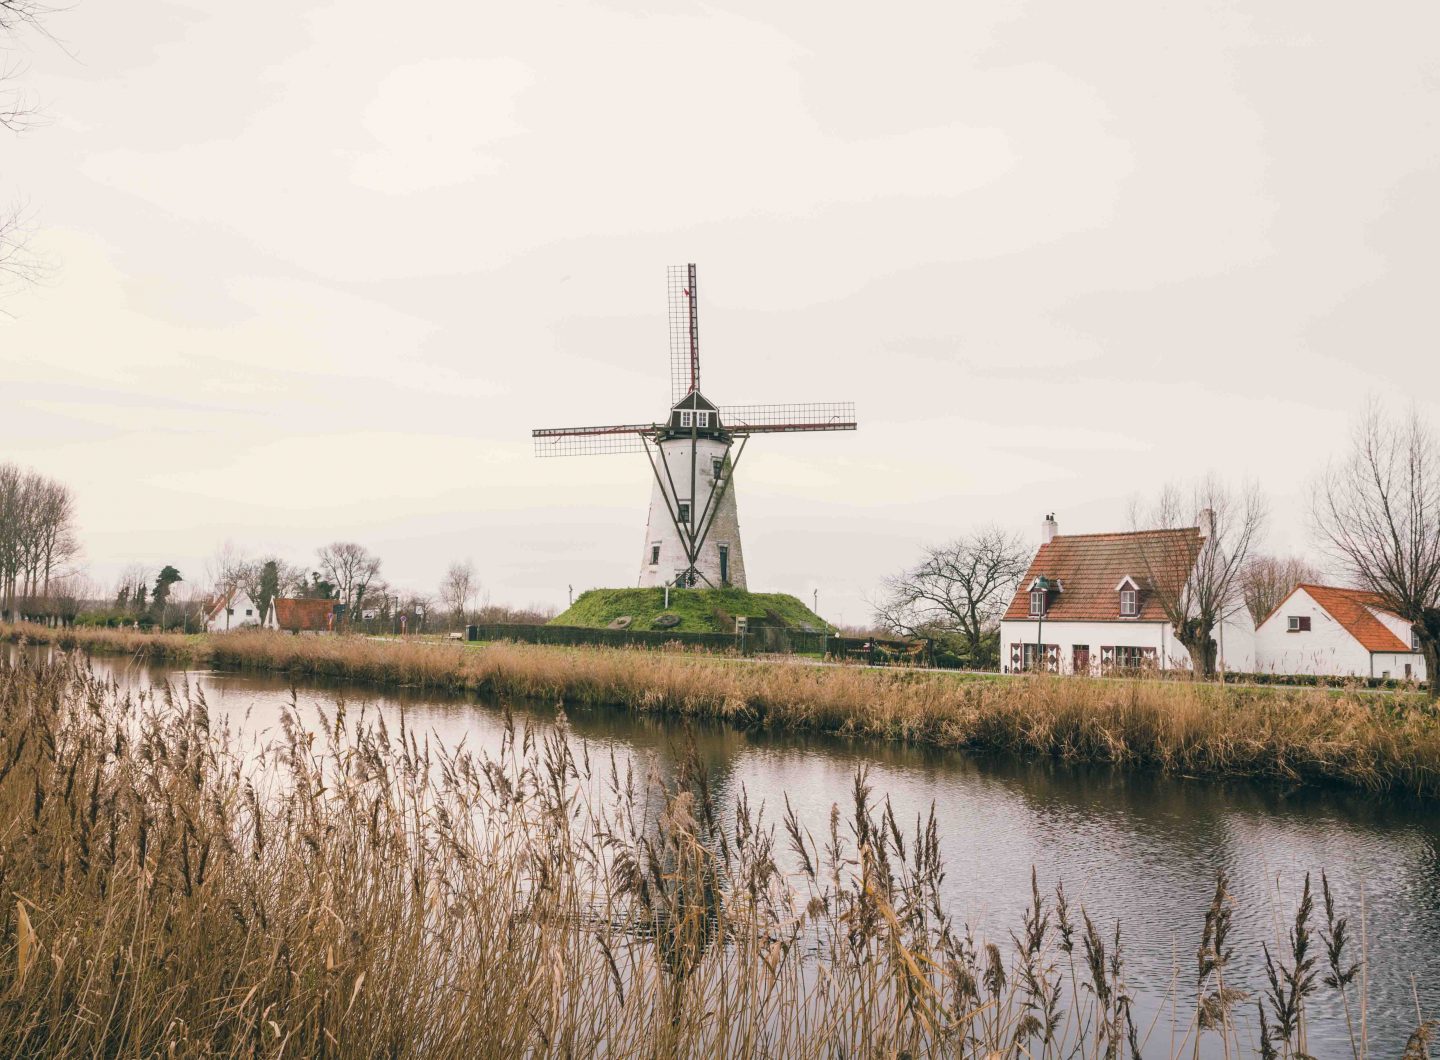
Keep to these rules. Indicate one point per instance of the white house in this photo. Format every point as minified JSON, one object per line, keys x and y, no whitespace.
{"x":1089,"y":605}
{"x":233,"y":610}
{"x":1320,"y":629}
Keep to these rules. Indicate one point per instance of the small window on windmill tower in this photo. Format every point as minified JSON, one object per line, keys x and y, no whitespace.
{"x":683,"y":514}
{"x":702,"y":419}
{"x":654,"y":555}
{"x":686,"y":417}
{"x":717,"y":468}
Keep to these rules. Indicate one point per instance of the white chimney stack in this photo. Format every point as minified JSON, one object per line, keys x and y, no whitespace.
{"x":1207,"y":523}
{"x":1048,"y":529}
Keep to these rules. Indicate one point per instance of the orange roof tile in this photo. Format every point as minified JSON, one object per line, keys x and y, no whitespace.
{"x":1090,"y":567}
{"x":307,"y":615}
{"x":1352,"y":609}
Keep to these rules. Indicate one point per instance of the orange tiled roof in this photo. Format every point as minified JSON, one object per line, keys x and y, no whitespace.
{"x":212,"y":611}
{"x":308,"y":615}
{"x":1352,"y":609}
{"x":1091,"y":566}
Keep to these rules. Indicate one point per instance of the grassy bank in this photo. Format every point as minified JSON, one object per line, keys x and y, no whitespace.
{"x":699,"y":610}
{"x":1381,"y":743}
{"x":352,"y":895}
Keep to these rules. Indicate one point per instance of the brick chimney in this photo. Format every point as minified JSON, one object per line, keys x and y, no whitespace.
{"x":1048,"y":529}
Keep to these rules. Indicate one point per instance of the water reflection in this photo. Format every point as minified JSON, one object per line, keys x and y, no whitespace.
{"x":1139,"y":848}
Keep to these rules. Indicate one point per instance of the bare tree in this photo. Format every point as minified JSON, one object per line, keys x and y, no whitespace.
{"x":222,"y":566}
{"x":1197,"y":578}
{"x":457,"y":590}
{"x":959,"y":589}
{"x":1378,"y":514}
{"x":17,"y":114}
{"x":350,"y":569}
{"x":1266,"y":581}
{"x":132,"y":588}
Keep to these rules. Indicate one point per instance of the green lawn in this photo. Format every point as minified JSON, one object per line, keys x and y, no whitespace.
{"x":699,"y":610}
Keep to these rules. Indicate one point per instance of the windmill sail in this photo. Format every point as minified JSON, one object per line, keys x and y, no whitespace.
{"x":684,"y":332}
{"x":591,"y":441}
{"x":776,"y":419}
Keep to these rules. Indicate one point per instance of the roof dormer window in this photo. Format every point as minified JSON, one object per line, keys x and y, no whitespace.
{"x":1040,"y":590}
{"x":1129,"y":590}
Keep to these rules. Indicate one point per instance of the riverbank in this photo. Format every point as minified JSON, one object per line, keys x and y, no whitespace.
{"x":1378,"y":743}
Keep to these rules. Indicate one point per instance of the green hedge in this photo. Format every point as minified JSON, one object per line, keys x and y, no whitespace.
{"x":768,"y":639}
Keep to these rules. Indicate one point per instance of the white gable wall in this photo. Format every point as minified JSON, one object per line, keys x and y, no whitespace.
{"x":243,"y":612}
{"x":1325,"y":648}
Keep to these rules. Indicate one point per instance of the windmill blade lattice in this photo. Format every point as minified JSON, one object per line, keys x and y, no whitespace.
{"x":776,"y":419}
{"x":684,"y":331}
{"x":591,"y":441}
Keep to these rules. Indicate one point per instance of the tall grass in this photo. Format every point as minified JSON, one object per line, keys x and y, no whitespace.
{"x":1380,"y":743}
{"x":353,"y":892}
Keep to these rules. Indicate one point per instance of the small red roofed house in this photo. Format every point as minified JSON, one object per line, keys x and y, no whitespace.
{"x":1091,"y":604}
{"x":301,"y":616}
{"x":1321,"y":629}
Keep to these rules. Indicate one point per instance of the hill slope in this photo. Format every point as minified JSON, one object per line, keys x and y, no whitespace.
{"x":699,"y":610}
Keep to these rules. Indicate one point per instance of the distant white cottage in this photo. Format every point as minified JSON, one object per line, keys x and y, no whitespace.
{"x":1320,"y":629}
{"x":233,"y":610}
{"x":1088,"y":605}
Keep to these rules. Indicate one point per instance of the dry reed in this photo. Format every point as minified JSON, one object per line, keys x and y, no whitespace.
{"x":1383,"y":743}
{"x":353,"y":892}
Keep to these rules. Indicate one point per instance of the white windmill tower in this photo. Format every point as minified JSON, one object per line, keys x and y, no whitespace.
{"x":693,"y":534}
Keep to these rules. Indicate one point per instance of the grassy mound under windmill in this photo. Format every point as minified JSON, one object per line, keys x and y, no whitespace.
{"x":699,"y":610}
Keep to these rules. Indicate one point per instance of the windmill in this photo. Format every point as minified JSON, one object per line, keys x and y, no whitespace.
{"x":693,"y":533}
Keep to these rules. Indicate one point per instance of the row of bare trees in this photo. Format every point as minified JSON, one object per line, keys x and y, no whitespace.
{"x":344,"y":571}
{"x":37,"y":537}
{"x":350,"y":574}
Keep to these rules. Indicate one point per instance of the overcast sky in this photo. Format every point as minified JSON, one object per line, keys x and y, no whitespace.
{"x":318,"y":268}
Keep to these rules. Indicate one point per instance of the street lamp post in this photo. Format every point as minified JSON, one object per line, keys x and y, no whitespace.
{"x":1042,"y":584}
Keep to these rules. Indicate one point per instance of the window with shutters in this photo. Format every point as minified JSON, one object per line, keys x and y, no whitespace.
{"x":1127,"y":657}
{"x":1050,"y":657}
